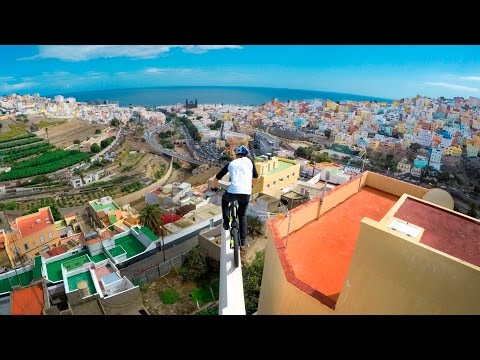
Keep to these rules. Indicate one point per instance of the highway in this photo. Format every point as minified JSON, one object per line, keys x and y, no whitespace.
{"x":150,"y":138}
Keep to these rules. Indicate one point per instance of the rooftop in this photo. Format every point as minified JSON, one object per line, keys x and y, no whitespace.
{"x":282,"y":165}
{"x":149,"y":233}
{"x":445,"y":231}
{"x":320,"y":252}
{"x":28,"y":301}
{"x":32,"y":223}
{"x":23,"y":279}
{"x":54,"y":269}
{"x":74,"y":280}
{"x":130,"y":244}
{"x":105,"y":206}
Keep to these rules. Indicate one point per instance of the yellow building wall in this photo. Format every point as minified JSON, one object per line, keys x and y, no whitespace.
{"x":271,"y":184}
{"x":33,"y":242}
{"x":391,"y":274}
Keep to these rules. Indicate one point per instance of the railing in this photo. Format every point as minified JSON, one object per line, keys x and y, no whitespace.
{"x":231,"y":298}
{"x":157,"y":271}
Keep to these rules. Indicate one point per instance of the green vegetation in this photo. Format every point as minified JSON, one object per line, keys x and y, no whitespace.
{"x":15,"y":131}
{"x":105,"y":142}
{"x":473,"y":210}
{"x":176,"y":166}
{"x":216,"y":125}
{"x":135,"y":186}
{"x":43,"y":124}
{"x":252,"y":281}
{"x":192,"y":129}
{"x":76,"y":141}
{"x":160,"y":172}
{"x":166,"y":134}
{"x":19,"y":153}
{"x":328,"y":133}
{"x":150,"y":217}
{"x":46,"y":163}
{"x":25,"y":136}
{"x":166,"y":144}
{"x":13,"y":143}
{"x":209,"y":310}
{"x":8,"y":205}
{"x":98,"y":131}
{"x":195,"y":266}
{"x":95,"y":148}
{"x":115,"y":122}
{"x":169,"y":296}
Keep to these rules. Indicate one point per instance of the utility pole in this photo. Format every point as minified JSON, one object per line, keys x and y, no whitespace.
{"x":163,"y":244}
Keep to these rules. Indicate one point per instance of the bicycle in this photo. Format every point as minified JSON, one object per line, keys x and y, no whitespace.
{"x":234,"y":230}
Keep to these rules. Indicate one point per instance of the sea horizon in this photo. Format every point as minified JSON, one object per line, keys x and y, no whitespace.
{"x":231,"y":95}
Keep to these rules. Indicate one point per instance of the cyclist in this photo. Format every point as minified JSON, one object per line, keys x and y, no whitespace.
{"x":241,"y":172}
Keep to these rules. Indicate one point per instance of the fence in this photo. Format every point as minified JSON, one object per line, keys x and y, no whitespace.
{"x":157,"y":271}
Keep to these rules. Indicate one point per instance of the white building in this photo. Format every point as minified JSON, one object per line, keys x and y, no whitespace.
{"x":436,"y":158}
{"x":59,"y":99}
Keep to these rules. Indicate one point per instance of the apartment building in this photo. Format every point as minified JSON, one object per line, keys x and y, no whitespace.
{"x":374,"y":245}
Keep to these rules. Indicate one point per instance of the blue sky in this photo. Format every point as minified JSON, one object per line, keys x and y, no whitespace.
{"x":391,"y":71}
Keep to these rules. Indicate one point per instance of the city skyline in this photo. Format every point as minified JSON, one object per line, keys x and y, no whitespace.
{"x":387,"y":71}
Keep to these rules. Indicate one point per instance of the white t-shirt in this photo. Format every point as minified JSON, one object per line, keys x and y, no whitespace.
{"x":241,"y":174}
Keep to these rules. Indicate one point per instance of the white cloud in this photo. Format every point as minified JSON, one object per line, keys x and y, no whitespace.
{"x":452,"y":86}
{"x":10,"y":88}
{"x":89,"y":52}
{"x":159,"y":71}
{"x":472,"y":78}
{"x":200,"y":49}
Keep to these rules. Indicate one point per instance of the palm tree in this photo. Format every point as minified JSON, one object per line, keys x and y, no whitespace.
{"x":151,"y":217}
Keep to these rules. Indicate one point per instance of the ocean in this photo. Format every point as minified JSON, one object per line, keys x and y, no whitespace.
{"x":158,"y":96}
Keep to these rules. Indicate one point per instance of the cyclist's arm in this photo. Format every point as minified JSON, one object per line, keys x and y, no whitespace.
{"x":254,"y":170}
{"x":222,"y":172}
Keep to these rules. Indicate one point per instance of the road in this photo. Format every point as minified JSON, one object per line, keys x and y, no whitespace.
{"x":150,"y":138}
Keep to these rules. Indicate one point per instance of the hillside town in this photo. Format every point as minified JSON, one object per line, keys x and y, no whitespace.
{"x":79,"y":180}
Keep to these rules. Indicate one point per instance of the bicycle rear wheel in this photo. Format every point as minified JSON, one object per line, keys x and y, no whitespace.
{"x":236,"y":247}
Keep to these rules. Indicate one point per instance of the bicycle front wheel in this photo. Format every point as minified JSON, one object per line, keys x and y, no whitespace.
{"x":236,"y":247}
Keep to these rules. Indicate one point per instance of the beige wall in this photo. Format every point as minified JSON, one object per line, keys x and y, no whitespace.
{"x":278,"y":296}
{"x":34,"y":243}
{"x":393,"y":186}
{"x":391,"y":274}
{"x":265,"y":183}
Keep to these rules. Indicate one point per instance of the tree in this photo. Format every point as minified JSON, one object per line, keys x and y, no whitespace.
{"x":95,"y":148}
{"x":255,"y":226}
{"x":415,"y":147}
{"x":195,"y":266}
{"x":301,"y":152}
{"x":98,"y":131}
{"x":76,"y":141}
{"x":151,"y":217}
{"x":252,"y":281}
{"x":1,"y":125}
{"x":55,"y":213}
{"x":115,"y":122}
{"x":328,"y":133}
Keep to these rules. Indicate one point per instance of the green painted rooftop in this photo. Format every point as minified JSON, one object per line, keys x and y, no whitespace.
{"x":14,"y":280}
{"x":112,"y":218}
{"x":282,"y":165}
{"x":54,"y":270}
{"x":84,"y":276}
{"x":97,"y":206}
{"x":76,"y":263}
{"x":131,"y":245}
{"x":117,"y":250}
{"x":99,"y":257}
{"x":149,"y":233}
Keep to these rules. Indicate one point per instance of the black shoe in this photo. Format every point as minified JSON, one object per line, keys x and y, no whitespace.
{"x":226,"y":226}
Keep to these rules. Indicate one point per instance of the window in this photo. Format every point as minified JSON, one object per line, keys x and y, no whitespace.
{"x":274,"y":182}
{"x":50,"y":235}
{"x":293,"y":174}
{"x":268,"y":185}
{"x":288,"y":176}
{"x":25,"y":246}
{"x":42,"y":239}
{"x":281,"y":179}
